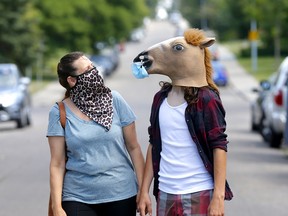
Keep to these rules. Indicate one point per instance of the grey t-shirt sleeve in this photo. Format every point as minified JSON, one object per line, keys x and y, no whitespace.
{"x":124,"y":111}
{"x":54,"y":125}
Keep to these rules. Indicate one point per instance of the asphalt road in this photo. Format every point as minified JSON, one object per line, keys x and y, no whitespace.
{"x":258,"y":175}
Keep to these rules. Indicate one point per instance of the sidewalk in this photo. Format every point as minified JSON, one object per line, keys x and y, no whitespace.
{"x":52,"y":93}
{"x":238,"y":79}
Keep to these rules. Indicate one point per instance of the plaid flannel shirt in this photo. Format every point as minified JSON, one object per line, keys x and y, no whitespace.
{"x":206,"y":124}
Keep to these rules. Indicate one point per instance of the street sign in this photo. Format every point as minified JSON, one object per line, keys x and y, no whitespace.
{"x":253,"y":35}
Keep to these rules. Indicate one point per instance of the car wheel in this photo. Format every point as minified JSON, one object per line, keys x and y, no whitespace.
{"x":261,"y":129}
{"x":28,"y":119}
{"x":265,"y":129}
{"x":275,"y":139}
{"x":254,"y":126}
{"x":22,"y":121}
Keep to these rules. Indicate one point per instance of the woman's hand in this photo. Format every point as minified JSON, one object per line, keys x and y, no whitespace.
{"x":144,"y":205}
{"x":216,"y":207}
{"x":59,"y":212}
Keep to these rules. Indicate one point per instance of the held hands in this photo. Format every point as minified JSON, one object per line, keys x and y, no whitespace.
{"x":144,"y":205}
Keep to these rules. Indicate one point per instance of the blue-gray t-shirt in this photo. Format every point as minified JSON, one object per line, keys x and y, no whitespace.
{"x":99,"y":168}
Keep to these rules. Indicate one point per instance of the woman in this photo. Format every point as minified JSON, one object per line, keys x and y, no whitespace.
{"x":98,"y":177}
{"x":187,"y":153}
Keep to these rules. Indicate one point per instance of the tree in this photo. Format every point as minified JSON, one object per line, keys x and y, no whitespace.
{"x":226,"y":17}
{"x":32,"y":30}
{"x":20,"y":35}
{"x":79,"y":25}
{"x":231,"y":19}
{"x":271,"y":30}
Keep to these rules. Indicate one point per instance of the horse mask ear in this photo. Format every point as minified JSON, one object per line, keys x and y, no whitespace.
{"x":207,"y":42}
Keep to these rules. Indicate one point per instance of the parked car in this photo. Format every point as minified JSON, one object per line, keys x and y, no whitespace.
{"x":104,"y":62}
{"x":108,"y":58}
{"x":15,"y":100}
{"x":257,"y":110}
{"x":275,"y":106}
{"x":220,"y":75}
{"x":113,"y":53}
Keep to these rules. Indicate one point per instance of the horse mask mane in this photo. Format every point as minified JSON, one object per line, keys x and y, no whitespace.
{"x":185,"y":60}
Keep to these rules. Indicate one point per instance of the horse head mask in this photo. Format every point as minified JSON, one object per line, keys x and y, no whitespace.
{"x":185,"y":60}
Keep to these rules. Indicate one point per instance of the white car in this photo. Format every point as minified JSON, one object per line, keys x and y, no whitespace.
{"x":274,"y":107}
{"x":257,"y":112}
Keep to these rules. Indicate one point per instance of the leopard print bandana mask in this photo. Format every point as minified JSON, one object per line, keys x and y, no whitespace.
{"x":93,"y":98}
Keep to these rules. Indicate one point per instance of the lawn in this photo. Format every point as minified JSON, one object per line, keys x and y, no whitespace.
{"x":265,"y":65}
{"x":36,"y":86}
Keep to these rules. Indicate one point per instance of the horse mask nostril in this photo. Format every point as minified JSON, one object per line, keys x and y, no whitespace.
{"x":141,"y":57}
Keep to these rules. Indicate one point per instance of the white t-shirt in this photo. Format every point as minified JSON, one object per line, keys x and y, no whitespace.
{"x":181,"y":168}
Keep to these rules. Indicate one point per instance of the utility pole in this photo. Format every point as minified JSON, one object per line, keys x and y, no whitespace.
{"x":204,"y":24}
{"x":176,"y":5}
{"x":253,"y":36}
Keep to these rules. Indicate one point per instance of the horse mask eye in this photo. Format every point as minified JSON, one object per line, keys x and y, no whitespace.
{"x":178,"y":47}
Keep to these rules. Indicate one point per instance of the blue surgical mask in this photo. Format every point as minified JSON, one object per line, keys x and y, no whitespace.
{"x":139,"y":70}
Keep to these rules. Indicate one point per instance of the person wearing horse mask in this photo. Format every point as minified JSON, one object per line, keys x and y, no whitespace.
{"x":188,"y":144}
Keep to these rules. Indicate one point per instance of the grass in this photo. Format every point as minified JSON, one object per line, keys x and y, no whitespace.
{"x":36,"y":86}
{"x":266,"y":66}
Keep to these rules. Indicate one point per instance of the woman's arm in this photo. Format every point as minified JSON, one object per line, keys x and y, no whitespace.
{"x":134,"y":151}
{"x":145,"y":205}
{"x":57,"y":171}
{"x":216,"y":206}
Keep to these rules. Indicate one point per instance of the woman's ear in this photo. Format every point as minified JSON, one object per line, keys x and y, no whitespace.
{"x":71,"y":81}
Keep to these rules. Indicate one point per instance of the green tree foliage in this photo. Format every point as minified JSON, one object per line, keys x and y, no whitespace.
{"x":33,"y":30}
{"x":69,"y":24}
{"x":270,"y":17}
{"x":127,"y":14}
{"x":223,"y":16}
{"x":20,"y":35}
{"x":191,"y":11}
{"x":79,"y":25}
{"x":231,"y":19}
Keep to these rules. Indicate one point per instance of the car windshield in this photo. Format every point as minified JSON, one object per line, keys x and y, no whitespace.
{"x":7,"y":78}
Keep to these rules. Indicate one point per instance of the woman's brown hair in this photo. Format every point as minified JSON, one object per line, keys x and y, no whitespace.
{"x":190,"y":93}
{"x":65,"y":69}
